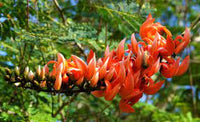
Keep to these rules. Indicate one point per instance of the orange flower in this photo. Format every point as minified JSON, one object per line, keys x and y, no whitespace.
{"x":173,"y":68}
{"x":126,"y":75}
{"x":151,"y":88}
{"x":185,"y":41}
{"x":149,"y":29}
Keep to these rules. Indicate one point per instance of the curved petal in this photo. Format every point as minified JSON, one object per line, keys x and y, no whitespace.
{"x":179,"y":48}
{"x":53,"y":73}
{"x":121,"y":74}
{"x":75,"y":73}
{"x":186,"y":37}
{"x":139,"y":59}
{"x":58,"y":81}
{"x":134,"y":93}
{"x":79,"y":81}
{"x":128,"y":85}
{"x":134,"y":44}
{"x":94,"y":80}
{"x":46,"y":69}
{"x":107,"y":52}
{"x":90,"y":56}
{"x":102,"y":70}
{"x":154,"y":68}
{"x":91,"y":69}
{"x":112,"y":93}
{"x":153,"y":87}
{"x":61,"y":59}
{"x":120,"y":50}
{"x":65,"y":78}
{"x":80,"y":64}
{"x":184,"y":66}
{"x":126,"y":108}
{"x":98,"y":93}
{"x":184,"y":43}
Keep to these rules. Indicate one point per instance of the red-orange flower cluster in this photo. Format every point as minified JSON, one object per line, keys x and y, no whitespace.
{"x":126,"y":72}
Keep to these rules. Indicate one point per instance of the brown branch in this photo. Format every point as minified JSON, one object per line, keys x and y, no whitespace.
{"x":41,"y":52}
{"x":192,"y":26}
{"x":192,"y":91}
{"x":63,"y":105}
{"x":185,"y":11}
{"x":52,"y":104}
{"x":190,"y":73}
{"x":106,"y":36}
{"x":8,"y":112}
{"x":81,"y":49}
{"x":27,"y":15}
{"x":195,"y":22}
{"x":63,"y":118}
{"x":194,"y":61}
{"x":60,"y":11}
{"x":63,"y":19}
{"x":60,"y":91}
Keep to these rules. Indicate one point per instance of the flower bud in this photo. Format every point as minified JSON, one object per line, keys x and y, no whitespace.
{"x":17,"y":71}
{"x":38,"y":70}
{"x":30,"y":75}
{"x":36,"y":82}
{"x":7,"y":77}
{"x":8,"y":71}
{"x":65,"y":78}
{"x":26,"y":72}
{"x":43,"y":84}
{"x":17,"y":84}
{"x":42,"y":73}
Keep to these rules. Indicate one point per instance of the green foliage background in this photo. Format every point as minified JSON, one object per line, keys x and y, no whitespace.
{"x":33,"y":31}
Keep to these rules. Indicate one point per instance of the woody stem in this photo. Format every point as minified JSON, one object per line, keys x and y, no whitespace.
{"x":64,"y":104}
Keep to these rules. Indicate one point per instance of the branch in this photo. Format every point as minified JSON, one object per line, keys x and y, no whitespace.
{"x":60,"y":91}
{"x":27,"y":15}
{"x":115,"y":11}
{"x":8,"y":112}
{"x":64,"y":104}
{"x":60,"y":11}
{"x":195,"y":22}
{"x":81,"y":49}
{"x":194,"y":61}
{"x":192,"y":91}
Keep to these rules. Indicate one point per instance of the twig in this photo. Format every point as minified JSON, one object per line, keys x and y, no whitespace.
{"x":60,"y":91}
{"x":64,"y":104}
{"x":52,"y":104}
{"x":115,"y":11}
{"x":60,"y":11}
{"x":43,"y":58}
{"x":194,"y":61}
{"x":192,"y":91}
{"x":107,"y":106}
{"x":106,"y":38}
{"x":195,"y":22}
{"x":8,"y":112}
{"x":81,"y":49}
{"x":27,"y":15}
{"x":185,"y":11}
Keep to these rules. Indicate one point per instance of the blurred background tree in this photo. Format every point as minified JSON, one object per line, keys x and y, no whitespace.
{"x":33,"y":31}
